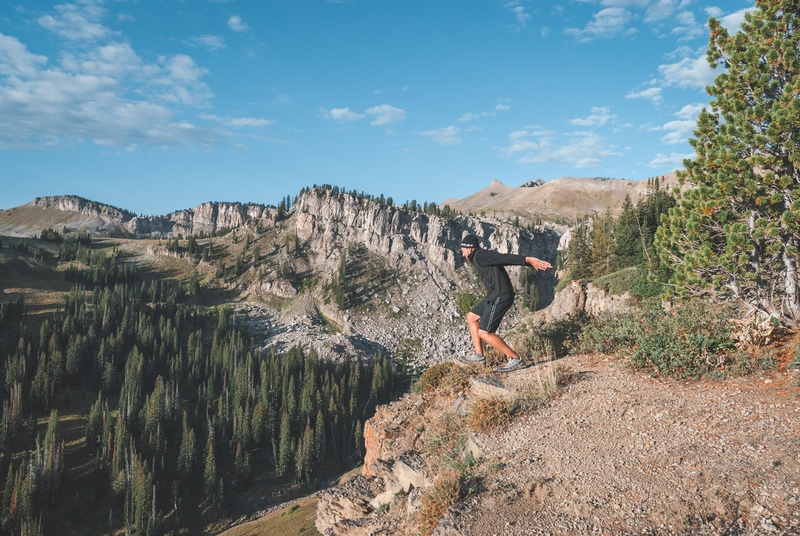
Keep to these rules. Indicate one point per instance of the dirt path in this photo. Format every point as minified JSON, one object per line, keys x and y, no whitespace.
{"x":621,"y":452}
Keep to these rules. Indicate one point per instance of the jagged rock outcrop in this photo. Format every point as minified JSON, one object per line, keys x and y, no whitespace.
{"x":205,"y":218}
{"x":340,"y":513}
{"x":579,"y":296}
{"x":395,"y":473}
{"x":329,"y":220}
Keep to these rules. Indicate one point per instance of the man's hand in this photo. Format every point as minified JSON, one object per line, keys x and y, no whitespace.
{"x":538,"y":264}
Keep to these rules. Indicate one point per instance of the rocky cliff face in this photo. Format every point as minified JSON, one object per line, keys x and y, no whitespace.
{"x":415,"y":314}
{"x":109,"y":216}
{"x":328,"y":220}
{"x":205,"y":218}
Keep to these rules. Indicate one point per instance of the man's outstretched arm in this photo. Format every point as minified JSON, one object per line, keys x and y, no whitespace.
{"x":538,"y":264}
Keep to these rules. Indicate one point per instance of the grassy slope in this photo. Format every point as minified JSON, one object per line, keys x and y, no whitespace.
{"x":296,"y":519}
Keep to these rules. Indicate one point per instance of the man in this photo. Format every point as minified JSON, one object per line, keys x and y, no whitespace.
{"x":484,"y":319}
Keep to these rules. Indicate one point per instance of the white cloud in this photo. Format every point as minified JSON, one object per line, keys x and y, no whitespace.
{"x":599,"y":116}
{"x":652,"y":93}
{"x":606,"y":23}
{"x":689,"y":111}
{"x":282,"y":100}
{"x":659,"y":10}
{"x":342,"y":114}
{"x":385,"y":114}
{"x":673,"y":160}
{"x":679,"y":131}
{"x":470,"y":116}
{"x":687,"y":27}
{"x":733,"y":22}
{"x":680,"y":52}
{"x":582,"y":149}
{"x":76,"y":22}
{"x":443,"y":136}
{"x":625,"y":3}
{"x":518,"y":134}
{"x":239,"y":121}
{"x":502,"y":105}
{"x":523,"y":147}
{"x":211,"y":42}
{"x":519,"y":12}
{"x":16,"y":61}
{"x":714,"y":11}
{"x":688,"y":72}
{"x":106,"y":94}
{"x":235,"y":23}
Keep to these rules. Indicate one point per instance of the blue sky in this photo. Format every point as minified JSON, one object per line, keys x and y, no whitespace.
{"x":161,"y":105}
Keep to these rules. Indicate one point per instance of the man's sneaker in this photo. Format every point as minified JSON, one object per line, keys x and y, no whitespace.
{"x":473,"y":359}
{"x":515,"y":363}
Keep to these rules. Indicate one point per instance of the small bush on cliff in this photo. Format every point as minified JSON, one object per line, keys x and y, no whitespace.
{"x":555,"y":339}
{"x":488,"y":413}
{"x":455,"y":483}
{"x":691,"y":340}
{"x":446,"y":376}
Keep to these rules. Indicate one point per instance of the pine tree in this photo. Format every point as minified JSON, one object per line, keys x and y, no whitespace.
{"x":210,"y":467}
{"x":735,"y":233}
{"x":627,"y":238}
{"x":579,"y":252}
{"x":602,"y":244}
{"x":285,"y":453}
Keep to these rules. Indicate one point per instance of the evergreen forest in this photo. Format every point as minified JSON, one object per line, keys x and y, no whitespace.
{"x":134,"y":409}
{"x":619,"y":253}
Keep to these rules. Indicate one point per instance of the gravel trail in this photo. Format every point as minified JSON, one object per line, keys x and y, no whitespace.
{"x":620,"y":452}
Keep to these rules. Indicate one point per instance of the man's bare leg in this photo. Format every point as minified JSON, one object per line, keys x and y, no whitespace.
{"x":473,"y":323}
{"x":497,"y":343}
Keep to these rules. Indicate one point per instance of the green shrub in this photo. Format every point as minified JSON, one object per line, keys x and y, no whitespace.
{"x":633,"y":279}
{"x":693,"y":339}
{"x":557,"y":338}
{"x":618,"y":282}
{"x":467,"y":301}
{"x":562,"y":284}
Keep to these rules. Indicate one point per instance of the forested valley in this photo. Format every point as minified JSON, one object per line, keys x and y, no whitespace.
{"x":135,"y":409}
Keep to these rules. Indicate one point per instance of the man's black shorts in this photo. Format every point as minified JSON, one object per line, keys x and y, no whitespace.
{"x":491,"y":313}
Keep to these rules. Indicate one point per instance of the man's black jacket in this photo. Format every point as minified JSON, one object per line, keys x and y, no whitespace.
{"x":489,"y":265}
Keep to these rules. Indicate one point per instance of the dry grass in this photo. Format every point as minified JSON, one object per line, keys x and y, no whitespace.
{"x":447,"y":376}
{"x":447,"y":436}
{"x":447,"y":490}
{"x":488,"y":413}
{"x":547,"y":384}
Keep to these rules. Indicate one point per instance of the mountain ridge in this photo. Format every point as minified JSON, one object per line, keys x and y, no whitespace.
{"x":561,"y":199}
